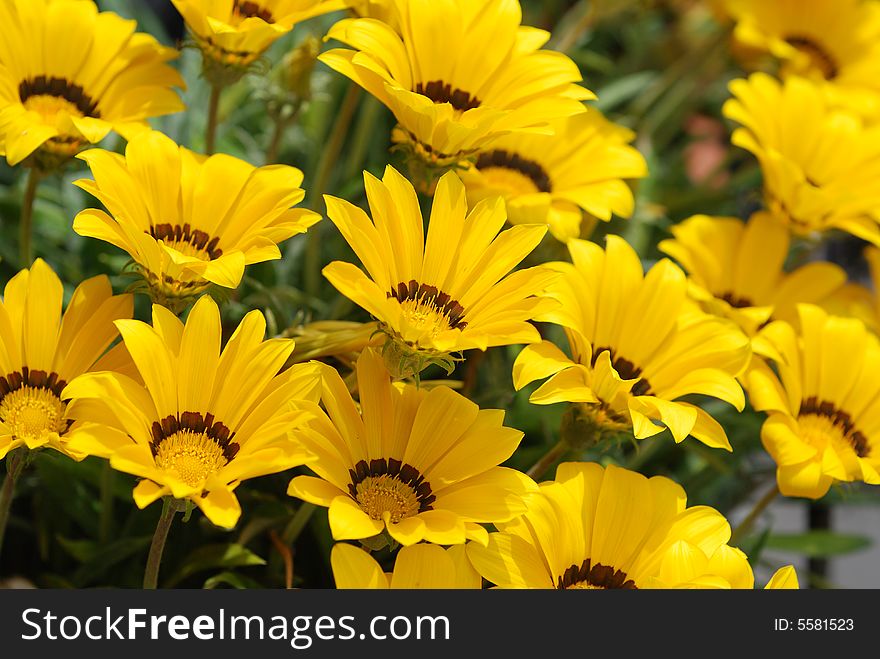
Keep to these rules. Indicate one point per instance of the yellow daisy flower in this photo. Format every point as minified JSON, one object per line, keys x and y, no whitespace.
{"x":556,"y":179}
{"x":420,"y":464}
{"x":41,"y":350}
{"x":638,"y":344}
{"x":189,"y":221}
{"x":823,"y":403}
{"x":415,"y":567}
{"x":204,"y":419}
{"x":736,"y":269}
{"x":598,"y":528}
{"x":834,"y":42}
{"x":236,"y":32}
{"x":69,"y":75}
{"x":458,"y":74}
{"x":445,"y":293}
{"x":821,"y":166}
{"x":854,"y":300}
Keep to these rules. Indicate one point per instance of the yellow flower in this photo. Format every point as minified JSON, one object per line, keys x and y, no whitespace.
{"x":736,"y":269}
{"x":556,"y":179}
{"x":823,"y":403}
{"x":834,"y":42}
{"x":189,"y":221}
{"x":420,"y":464}
{"x":821,"y":166}
{"x":598,"y":528}
{"x":638,"y":344}
{"x":785,"y":578}
{"x":204,"y":419}
{"x":235,"y":32}
{"x":417,"y":566}
{"x":382,"y":10}
{"x":457,"y":74}
{"x":69,"y":75}
{"x":449,"y":292}
{"x":41,"y":350}
{"x":857,"y":301}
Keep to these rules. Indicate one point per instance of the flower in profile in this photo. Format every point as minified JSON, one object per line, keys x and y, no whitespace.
{"x":445,"y":293}
{"x":189,"y":221}
{"x":420,"y":464}
{"x":834,"y":42}
{"x":736,"y":269}
{"x":638,"y":345}
{"x":821,"y":165}
{"x":823,"y":403}
{"x":556,"y":179}
{"x":204,"y":419}
{"x":458,"y":74}
{"x":41,"y":350}
{"x":603,"y":528}
{"x":415,"y":567}
{"x":235,"y":33}
{"x":71,"y":74}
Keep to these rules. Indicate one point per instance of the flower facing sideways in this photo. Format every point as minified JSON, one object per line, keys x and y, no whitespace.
{"x":415,"y":567}
{"x":204,"y":419}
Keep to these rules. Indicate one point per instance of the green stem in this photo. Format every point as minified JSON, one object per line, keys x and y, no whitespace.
{"x":746,"y":525}
{"x":548,"y":460}
{"x":170,"y":506}
{"x":15,"y":462}
{"x":213,"y":107}
{"x":298,"y":523}
{"x":108,"y":478}
{"x":281,"y":124}
{"x":26,"y":220}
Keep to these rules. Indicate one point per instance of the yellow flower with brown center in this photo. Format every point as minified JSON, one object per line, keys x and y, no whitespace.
{"x":447,"y":292}
{"x":736,"y":269}
{"x":458,"y":74}
{"x":41,"y":350}
{"x":638,"y":345}
{"x":821,"y":165}
{"x":188,"y":221}
{"x":204,"y":419}
{"x":834,"y":42}
{"x":556,"y":179}
{"x":420,"y":464}
{"x":607,"y":528}
{"x":823,"y":402}
{"x":69,"y":75}
{"x":415,"y":567}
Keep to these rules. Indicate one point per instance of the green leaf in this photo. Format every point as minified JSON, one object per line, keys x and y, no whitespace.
{"x":214,"y":556}
{"x":233,"y":579}
{"x":107,"y":556}
{"x":818,"y":543}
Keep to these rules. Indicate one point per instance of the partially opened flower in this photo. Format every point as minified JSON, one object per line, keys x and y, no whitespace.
{"x":458,"y":74}
{"x":736,"y":269}
{"x":42,"y":349}
{"x":823,"y":402}
{"x":69,"y":75}
{"x":415,"y":567}
{"x":188,"y":221}
{"x":610,"y":528}
{"x":821,"y":165}
{"x":420,"y":464}
{"x":638,"y":345}
{"x":204,"y":419}
{"x":447,"y":292}
{"x":556,"y":179}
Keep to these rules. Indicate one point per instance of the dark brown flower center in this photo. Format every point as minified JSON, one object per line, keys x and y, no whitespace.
{"x":626,"y":370}
{"x":596,"y":576}
{"x":442,"y":92}
{"x":179,"y":235}
{"x":430,"y":298}
{"x":252,"y":10}
{"x":819,"y":56}
{"x":389,"y":485}
{"x":507,"y":160}
{"x":194,"y":424}
{"x":60,"y":88}
{"x":736,"y":301}
{"x":840,"y":419}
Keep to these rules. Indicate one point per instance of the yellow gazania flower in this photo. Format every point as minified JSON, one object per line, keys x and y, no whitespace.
{"x":415,"y":567}
{"x":451,"y":291}
{"x":638,"y":344}
{"x":834,"y":42}
{"x":823,"y":403}
{"x":458,"y":74}
{"x":821,"y":166}
{"x":236,"y":32}
{"x":420,"y":464}
{"x":204,"y":419}
{"x":556,"y":179}
{"x":609,"y":528}
{"x":189,"y":221}
{"x":736,"y":269}
{"x":854,"y":300}
{"x":69,"y":75}
{"x":41,"y":350}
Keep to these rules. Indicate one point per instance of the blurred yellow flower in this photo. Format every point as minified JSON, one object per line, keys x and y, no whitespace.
{"x":415,"y":567}
{"x":857,"y":301}
{"x":69,"y":75}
